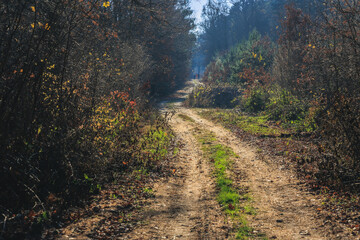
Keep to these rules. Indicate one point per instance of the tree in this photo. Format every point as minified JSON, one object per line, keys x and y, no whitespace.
{"x":75,"y":77}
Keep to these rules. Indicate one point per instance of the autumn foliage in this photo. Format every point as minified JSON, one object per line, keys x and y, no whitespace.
{"x":325,"y":74}
{"x":76,"y":79}
{"x":307,"y":80}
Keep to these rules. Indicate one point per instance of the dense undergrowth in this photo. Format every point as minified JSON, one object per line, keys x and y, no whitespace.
{"x":121,"y":145}
{"x":77,"y":84}
{"x":288,"y":85}
{"x":296,"y":98}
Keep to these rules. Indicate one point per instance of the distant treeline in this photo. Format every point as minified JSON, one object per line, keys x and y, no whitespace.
{"x":224,"y":26}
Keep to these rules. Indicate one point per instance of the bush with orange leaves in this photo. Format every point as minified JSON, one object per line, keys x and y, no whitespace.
{"x":113,"y":129}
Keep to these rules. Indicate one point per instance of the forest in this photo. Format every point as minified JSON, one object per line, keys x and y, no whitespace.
{"x":78,"y":79}
{"x":296,"y":63}
{"x":284,"y":76}
{"x":81,"y":130}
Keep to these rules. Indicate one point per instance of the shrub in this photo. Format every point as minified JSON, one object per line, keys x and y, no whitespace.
{"x":154,"y":146}
{"x":339,"y":123}
{"x":256,"y":100}
{"x":114,"y":128}
{"x":213,"y":96}
{"x":285,"y":107}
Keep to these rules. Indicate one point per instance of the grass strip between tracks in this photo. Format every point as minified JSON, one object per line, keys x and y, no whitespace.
{"x":235,"y":201}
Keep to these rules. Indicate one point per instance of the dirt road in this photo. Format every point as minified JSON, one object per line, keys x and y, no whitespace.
{"x":186,"y":208}
{"x":185,"y":205}
{"x":283,"y":210}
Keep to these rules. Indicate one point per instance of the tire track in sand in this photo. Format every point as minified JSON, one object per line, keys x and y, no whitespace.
{"x":185,"y":205}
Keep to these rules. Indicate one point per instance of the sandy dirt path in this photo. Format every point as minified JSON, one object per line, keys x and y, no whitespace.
{"x":185,"y":206}
{"x":283,"y":210}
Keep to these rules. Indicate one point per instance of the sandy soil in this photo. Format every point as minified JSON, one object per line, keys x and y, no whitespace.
{"x":284,"y":210}
{"x":185,"y":207}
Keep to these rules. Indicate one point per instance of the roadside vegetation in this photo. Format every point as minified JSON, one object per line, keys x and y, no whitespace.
{"x":291,"y":88}
{"x":77,"y":83}
{"x":284,"y":87}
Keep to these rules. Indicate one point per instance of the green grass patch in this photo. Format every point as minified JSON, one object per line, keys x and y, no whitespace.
{"x":256,"y":125}
{"x":235,"y":204}
{"x":186,"y":118}
{"x":154,"y":146}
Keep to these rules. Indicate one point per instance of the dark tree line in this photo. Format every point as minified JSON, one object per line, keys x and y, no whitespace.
{"x":75,"y":80}
{"x":226,"y":25}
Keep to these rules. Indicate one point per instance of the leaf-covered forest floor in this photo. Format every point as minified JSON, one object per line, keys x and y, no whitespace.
{"x":189,"y":200}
